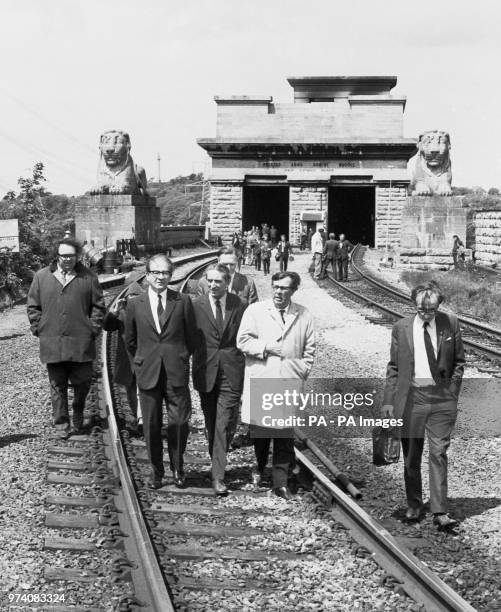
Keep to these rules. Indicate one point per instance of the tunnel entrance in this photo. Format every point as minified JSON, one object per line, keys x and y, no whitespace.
{"x":266,"y":204}
{"x":352,"y":211}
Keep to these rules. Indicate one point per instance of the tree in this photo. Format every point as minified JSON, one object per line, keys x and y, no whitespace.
{"x":494,"y":191}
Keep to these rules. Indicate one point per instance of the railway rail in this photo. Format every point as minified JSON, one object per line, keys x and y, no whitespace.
{"x":481,"y":339}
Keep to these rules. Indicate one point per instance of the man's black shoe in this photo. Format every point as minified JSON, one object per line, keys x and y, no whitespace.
{"x":284,"y":493}
{"x":179,"y":478}
{"x":154,"y":483}
{"x":413,"y":515}
{"x":444,"y":522}
{"x":219,"y":487}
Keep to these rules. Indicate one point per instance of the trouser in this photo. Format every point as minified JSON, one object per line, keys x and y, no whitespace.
{"x":333,"y":265}
{"x":317,"y":258}
{"x":432,"y":410}
{"x":282,"y":459}
{"x":342,"y":267}
{"x":178,"y":402}
{"x":80,"y":376}
{"x":257,"y":261}
{"x":284,"y":262}
{"x":221,"y":411}
{"x":266,"y":265}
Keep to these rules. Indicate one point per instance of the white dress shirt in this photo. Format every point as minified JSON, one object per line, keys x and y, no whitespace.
{"x":153,"y":295}
{"x":422,"y":373}
{"x":212,"y":303}
{"x":230,"y":286}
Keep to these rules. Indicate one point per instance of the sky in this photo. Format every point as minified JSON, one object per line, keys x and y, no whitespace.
{"x":72,"y":69}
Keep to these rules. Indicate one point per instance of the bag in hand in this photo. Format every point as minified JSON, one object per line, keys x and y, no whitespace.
{"x":291,"y":257}
{"x":385,"y":446}
{"x":278,"y":256}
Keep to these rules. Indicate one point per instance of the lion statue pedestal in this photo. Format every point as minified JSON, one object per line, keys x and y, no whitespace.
{"x":104,"y":219}
{"x":428,"y":226}
{"x":119,"y":207}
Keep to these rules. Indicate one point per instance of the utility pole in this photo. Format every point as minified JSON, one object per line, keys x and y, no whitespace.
{"x":159,"y":175}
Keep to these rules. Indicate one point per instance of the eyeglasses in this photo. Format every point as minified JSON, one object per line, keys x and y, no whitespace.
{"x":427,"y":310}
{"x":160,"y":272}
{"x":66,"y":256}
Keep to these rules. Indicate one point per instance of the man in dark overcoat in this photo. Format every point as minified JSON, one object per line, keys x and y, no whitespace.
{"x":65,"y":309}
{"x":160,"y":334}
{"x":240,"y":284}
{"x":330,"y":256}
{"x":218,"y":366}
{"x":423,"y":380}
{"x":344,"y":248}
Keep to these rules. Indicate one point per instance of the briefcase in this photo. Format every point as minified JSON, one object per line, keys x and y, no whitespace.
{"x":385,"y":446}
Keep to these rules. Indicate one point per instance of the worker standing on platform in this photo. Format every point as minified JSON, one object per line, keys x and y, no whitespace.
{"x":65,"y":309}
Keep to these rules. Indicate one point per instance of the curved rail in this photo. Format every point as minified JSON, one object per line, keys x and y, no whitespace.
{"x":490,"y":352}
{"x":483,"y":327}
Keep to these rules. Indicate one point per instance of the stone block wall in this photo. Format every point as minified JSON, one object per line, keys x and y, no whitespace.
{"x":488,"y":237}
{"x":389,"y":206}
{"x":225,"y":210}
{"x":304,"y":199}
{"x":104,"y":219}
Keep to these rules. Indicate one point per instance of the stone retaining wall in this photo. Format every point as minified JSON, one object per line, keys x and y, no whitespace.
{"x":225,"y":210}
{"x":304,"y":199}
{"x":488,"y":237}
{"x":389,"y":205}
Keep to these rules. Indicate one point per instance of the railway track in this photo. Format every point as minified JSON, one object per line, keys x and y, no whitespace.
{"x":186,"y":549}
{"x":482,"y":341}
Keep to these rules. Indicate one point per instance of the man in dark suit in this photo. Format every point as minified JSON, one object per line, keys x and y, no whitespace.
{"x":218,"y":366}
{"x":239,"y":284}
{"x":160,"y":335}
{"x":330,"y":256}
{"x":423,"y":380}
{"x":344,"y":248}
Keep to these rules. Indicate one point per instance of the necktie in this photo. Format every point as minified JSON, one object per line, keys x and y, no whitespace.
{"x":430,"y":353}
{"x":219,"y":317}
{"x":160,"y":311}
{"x":282,"y":315}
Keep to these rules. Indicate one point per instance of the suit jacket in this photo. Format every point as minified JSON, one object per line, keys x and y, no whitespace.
{"x":242,"y":286}
{"x":171,"y":347}
{"x":330,"y":249}
{"x":284,"y":250}
{"x":66,"y":319}
{"x":261,"y":323}
{"x":400,"y":370}
{"x":343,"y":249}
{"x":214,"y":351}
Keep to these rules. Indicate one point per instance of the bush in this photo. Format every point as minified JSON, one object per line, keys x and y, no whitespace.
{"x":466,"y":292}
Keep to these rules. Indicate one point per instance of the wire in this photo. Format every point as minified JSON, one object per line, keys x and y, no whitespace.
{"x":46,"y":121}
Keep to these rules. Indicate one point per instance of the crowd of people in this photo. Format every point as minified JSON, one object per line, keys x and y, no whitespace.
{"x":232,"y":339}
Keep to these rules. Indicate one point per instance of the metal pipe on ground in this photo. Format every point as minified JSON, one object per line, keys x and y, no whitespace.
{"x":338,"y":475}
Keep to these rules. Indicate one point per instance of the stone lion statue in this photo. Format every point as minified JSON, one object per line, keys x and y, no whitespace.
{"x":431,"y":173}
{"x":116,"y":172}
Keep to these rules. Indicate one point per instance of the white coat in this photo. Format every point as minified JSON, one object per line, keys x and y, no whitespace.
{"x":317,"y":244}
{"x":262,"y":324}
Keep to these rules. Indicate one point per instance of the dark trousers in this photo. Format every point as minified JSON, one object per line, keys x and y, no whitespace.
{"x":342,"y":268}
{"x":333,"y":263}
{"x":266,"y":265}
{"x":257,"y":261}
{"x":178,"y":402}
{"x":284,"y":260}
{"x":80,"y":375}
{"x":221,"y":411}
{"x":283,"y":458}
{"x":432,"y":410}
